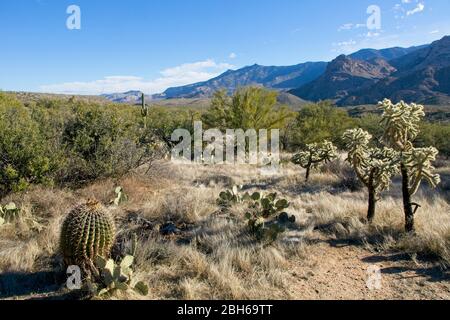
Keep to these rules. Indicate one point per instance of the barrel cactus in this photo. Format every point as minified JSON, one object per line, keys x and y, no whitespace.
{"x":87,"y":232}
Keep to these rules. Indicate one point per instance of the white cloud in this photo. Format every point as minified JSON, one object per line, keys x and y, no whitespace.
{"x":233,"y":55}
{"x":434,"y":31}
{"x":177,"y":76}
{"x":419,"y":8}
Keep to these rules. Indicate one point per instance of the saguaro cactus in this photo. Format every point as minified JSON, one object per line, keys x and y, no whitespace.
{"x":144,"y":110}
{"x":373,"y":166}
{"x":87,"y":232}
{"x":314,"y":155}
{"x":401,"y":126}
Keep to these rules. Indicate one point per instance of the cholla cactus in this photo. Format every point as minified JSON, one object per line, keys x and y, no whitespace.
{"x":373,"y":166}
{"x":418,"y":161}
{"x":314,"y":155}
{"x":401,"y":123}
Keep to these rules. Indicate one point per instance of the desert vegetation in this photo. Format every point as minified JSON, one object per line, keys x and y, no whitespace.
{"x":90,"y":184}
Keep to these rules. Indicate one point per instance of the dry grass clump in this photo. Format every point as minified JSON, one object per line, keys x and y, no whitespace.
{"x":221,"y":262}
{"x":213,"y":256}
{"x":35,"y":233}
{"x":343,"y":217}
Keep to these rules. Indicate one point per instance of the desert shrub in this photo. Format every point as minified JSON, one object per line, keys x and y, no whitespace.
{"x":100,"y":142}
{"x":70,"y":142}
{"x":371,"y":124}
{"x":249,"y":108}
{"x":26,"y":154}
{"x":161,"y":123}
{"x":437,"y":135}
{"x":319,"y":122}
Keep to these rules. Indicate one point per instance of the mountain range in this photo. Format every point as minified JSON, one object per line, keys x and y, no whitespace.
{"x":417,"y":74}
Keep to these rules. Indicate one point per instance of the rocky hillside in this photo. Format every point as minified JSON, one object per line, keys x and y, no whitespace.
{"x":344,"y":75}
{"x":422,"y":76}
{"x":283,"y":78}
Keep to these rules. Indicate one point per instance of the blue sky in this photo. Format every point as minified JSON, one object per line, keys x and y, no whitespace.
{"x":150,"y":45}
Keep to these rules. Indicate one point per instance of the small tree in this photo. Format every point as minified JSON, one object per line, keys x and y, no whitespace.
{"x":373,"y":166}
{"x":401,"y":124}
{"x":248,"y":108}
{"x":314,"y":155}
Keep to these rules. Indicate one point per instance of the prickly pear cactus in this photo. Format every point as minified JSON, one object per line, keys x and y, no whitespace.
{"x":87,"y":232}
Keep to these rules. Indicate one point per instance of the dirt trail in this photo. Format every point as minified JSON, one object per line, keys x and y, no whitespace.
{"x":342,"y":271}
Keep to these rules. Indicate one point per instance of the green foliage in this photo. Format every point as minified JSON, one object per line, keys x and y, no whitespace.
{"x":100,"y":142}
{"x":228,"y":198}
{"x":87,"y":232}
{"x":26,"y":155}
{"x":371,"y":123}
{"x":70,"y":142}
{"x":8,"y":213}
{"x":435,"y":134}
{"x":118,"y":276}
{"x":319,"y":122}
{"x":249,"y":108}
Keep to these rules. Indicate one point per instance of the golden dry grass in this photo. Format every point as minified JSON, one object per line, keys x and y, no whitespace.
{"x":215,"y":257}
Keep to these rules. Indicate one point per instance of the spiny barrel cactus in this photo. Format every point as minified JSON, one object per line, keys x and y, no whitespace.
{"x":373,"y":166}
{"x":314,"y":155}
{"x":87,"y":232}
{"x":401,"y":123}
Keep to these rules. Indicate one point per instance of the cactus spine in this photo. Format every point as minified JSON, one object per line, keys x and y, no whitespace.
{"x":373,"y":166}
{"x":87,"y":232}
{"x":401,"y":123}
{"x":314,"y":155}
{"x":144,"y":110}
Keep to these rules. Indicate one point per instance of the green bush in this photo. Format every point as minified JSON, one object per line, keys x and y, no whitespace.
{"x":26,"y":155}
{"x":70,"y":142}
{"x":101,"y":142}
{"x":248,"y":108}
{"x":319,"y":122}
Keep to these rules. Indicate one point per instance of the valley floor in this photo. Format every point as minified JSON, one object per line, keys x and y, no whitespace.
{"x":328,"y":254}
